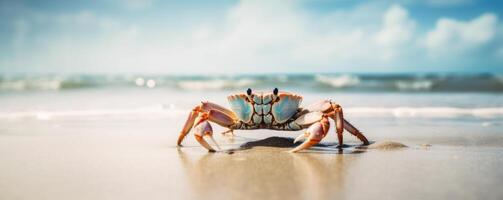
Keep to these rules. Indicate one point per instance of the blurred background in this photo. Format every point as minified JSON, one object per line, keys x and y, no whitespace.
{"x":139,"y":59}
{"x":93,"y":95}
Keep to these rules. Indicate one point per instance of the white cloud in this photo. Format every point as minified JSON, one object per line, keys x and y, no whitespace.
{"x":454,"y":37}
{"x":278,"y":34}
{"x":253,"y":31}
{"x":398,"y":30}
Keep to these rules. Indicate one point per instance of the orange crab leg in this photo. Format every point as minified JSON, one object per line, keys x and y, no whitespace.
{"x":338,"y":117}
{"x":334,"y":111}
{"x":351,"y":129}
{"x":207,"y":106}
{"x":220,"y":118}
{"x":199,"y":118}
{"x":188,"y":125}
{"x":316,"y":132}
{"x":204,"y":133}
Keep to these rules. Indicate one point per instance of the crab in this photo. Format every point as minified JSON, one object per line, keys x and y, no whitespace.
{"x":268,"y":110}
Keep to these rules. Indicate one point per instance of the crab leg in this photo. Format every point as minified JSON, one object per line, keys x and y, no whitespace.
{"x":204,"y":133}
{"x":188,"y":125}
{"x":316,"y":132}
{"x":203,"y":113}
{"x":212,"y":106}
{"x":338,"y":117}
{"x":351,"y":129}
{"x":334,"y":111}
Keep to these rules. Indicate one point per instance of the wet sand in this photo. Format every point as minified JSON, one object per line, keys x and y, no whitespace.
{"x":83,"y":160}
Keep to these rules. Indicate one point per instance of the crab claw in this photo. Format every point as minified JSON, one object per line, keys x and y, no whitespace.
{"x":315,"y":133}
{"x":204,"y":133}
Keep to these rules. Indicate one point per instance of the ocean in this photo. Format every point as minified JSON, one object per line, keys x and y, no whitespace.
{"x":438,"y":82}
{"x":475,"y":97}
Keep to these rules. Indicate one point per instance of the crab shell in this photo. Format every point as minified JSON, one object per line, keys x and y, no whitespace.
{"x":265,"y":108}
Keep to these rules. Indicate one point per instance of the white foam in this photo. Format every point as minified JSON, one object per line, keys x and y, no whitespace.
{"x":338,"y":81}
{"x":20,"y":85}
{"x":416,"y":85}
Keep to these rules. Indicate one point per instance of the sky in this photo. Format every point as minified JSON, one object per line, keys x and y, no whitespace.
{"x":250,"y":37}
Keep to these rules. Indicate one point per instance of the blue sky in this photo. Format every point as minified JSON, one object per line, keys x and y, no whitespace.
{"x":228,"y":37}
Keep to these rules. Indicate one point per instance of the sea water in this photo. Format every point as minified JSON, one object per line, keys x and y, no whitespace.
{"x":389,"y":95}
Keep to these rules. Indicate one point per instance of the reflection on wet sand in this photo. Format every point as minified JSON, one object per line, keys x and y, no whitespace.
{"x":322,"y":179}
{"x":268,"y":172}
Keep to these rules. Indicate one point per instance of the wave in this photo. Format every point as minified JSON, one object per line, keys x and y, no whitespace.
{"x":171,"y":111}
{"x":28,"y":83}
{"x":416,"y":85}
{"x":310,"y":82}
{"x":338,"y":81}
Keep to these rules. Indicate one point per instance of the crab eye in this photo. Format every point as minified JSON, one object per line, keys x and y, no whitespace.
{"x":275,"y":91}
{"x":249,"y":91}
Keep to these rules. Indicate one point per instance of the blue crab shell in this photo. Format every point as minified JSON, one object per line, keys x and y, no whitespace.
{"x":241,"y":106}
{"x":265,"y":108}
{"x":286,"y":107}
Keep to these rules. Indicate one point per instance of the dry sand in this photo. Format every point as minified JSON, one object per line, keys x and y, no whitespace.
{"x":81,"y":161}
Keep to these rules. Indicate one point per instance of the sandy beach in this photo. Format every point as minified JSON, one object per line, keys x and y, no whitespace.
{"x":139,"y":160}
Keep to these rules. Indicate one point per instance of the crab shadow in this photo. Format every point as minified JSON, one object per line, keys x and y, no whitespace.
{"x":286,"y":142}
